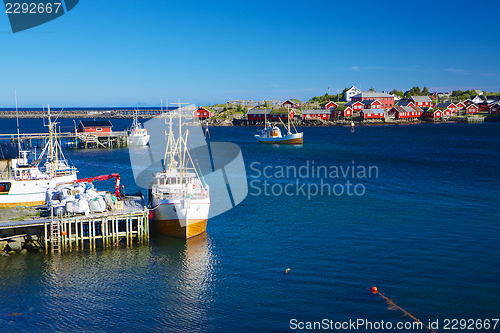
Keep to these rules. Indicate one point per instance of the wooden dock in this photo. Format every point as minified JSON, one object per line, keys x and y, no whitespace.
{"x":118,"y":139}
{"x":85,"y":232}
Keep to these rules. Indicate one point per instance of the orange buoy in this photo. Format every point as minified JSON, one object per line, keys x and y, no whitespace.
{"x":374,"y":290}
{"x":287,"y":270}
{"x":64,"y":233}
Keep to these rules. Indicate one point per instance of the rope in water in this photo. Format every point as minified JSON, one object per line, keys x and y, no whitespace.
{"x":394,"y":305}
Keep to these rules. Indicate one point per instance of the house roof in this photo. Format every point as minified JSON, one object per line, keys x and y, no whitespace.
{"x":259,"y":111}
{"x":370,"y":101}
{"x":406,"y":108}
{"x":351,"y":103}
{"x":321,"y":111}
{"x":206,"y":108}
{"x":8,"y":151}
{"x":325,"y":103}
{"x":371,"y":94}
{"x":432,"y":111}
{"x":421,"y":99}
{"x":444,"y":105}
{"x":371,"y":111}
{"x":95,"y":123}
{"x":403,"y":102}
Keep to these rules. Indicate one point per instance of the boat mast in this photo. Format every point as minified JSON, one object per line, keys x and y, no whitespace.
{"x":51,"y":145}
{"x":18,"y":135}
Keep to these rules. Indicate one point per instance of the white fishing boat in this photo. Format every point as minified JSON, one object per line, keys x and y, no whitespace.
{"x":272,"y":134}
{"x":138,"y":134}
{"x":24,"y":180}
{"x":179,"y":196}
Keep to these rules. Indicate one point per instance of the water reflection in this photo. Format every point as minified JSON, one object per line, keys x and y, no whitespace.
{"x":166,"y":286}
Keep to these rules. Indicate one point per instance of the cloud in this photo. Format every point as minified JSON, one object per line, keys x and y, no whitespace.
{"x":355,"y":68}
{"x":455,"y":70}
{"x":275,"y":85}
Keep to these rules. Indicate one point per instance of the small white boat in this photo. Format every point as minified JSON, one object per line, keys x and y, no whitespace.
{"x":272,"y":134}
{"x":138,"y":134}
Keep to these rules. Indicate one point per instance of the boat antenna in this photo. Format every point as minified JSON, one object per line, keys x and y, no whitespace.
{"x":18,"y":135}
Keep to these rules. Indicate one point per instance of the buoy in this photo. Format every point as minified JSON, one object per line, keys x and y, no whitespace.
{"x":64,"y":233}
{"x":374,"y":290}
{"x":287,"y":270}
{"x":150,"y":215}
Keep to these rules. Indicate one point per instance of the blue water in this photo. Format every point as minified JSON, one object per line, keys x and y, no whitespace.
{"x":425,"y":232}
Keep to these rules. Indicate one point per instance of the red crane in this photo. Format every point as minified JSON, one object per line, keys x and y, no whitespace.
{"x":104,"y":177}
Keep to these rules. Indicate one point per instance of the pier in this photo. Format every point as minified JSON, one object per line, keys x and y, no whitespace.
{"x":77,"y":140}
{"x":81,"y":232}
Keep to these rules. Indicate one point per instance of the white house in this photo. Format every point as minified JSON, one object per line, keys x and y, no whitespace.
{"x":351,"y":92}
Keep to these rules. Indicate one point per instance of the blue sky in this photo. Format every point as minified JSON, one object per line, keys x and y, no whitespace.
{"x":114,"y":53}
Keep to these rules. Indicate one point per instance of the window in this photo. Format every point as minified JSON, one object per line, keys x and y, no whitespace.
{"x":98,"y":129}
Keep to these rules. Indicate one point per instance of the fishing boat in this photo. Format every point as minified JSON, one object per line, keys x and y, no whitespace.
{"x":273,"y":134}
{"x":24,"y":180}
{"x":138,"y":134}
{"x":179,"y":196}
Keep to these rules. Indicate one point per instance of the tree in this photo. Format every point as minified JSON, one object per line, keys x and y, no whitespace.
{"x":425,"y":92}
{"x":372,"y":89}
{"x":415,"y":91}
{"x":398,"y":93}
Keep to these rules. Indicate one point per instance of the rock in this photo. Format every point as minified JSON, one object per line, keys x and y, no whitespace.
{"x":15,"y":246}
{"x":24,"y":251}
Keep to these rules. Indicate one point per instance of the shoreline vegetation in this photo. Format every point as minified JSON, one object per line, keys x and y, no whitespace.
{"x":234,"y":113}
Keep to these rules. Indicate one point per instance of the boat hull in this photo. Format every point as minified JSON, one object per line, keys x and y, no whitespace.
{"x":30,"y":192}
{"x":294,"y":139}
{"x":181,"y":218}
{"x":138,"y":140}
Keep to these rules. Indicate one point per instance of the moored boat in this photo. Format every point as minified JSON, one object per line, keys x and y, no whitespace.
{"x":272,"y":134}
{"x":138,"y":134}
{"x":24,"y":180}
{"x":179,"y":196}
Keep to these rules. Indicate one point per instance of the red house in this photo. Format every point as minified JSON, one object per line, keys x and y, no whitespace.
{"x":316,"y":114}
{"x":421,"y":101}
{"x":460,"y":106}
{"x":274,"y":115}
{"x":433,"y":114}
{"x":329,"y":105}
{"x":447,"y":113}
{"x":342,"y":112}
{"x":203,"y":113}
{"x":370,"y":114}
{"x":372,"y":104}
{"x":405,"y":112}
{"x":450,"y":106}
{"x":404,"y":102}
{"x":96,"y":127}
{"x":471,"y":109}
{"x":483,"y":107}
{"x":386,"y":100}
{"x":355,"y":105}
{"x":256,"y":115}
{"x":495,"y":108}
{"x":291,"y":103}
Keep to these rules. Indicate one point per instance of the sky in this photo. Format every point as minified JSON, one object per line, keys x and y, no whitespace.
{"x":124,"y":52}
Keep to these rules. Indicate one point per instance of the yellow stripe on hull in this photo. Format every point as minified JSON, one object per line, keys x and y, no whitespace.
{"x":24,"y":204}
{"x":174,"y":228}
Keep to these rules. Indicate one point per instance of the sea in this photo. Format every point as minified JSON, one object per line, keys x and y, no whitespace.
{"x":413,"y":210}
